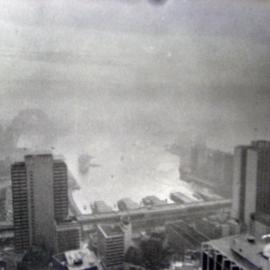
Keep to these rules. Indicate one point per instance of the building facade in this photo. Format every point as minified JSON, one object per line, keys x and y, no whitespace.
{"x":251,"y":186}
{"x":111,"y":246}
{"x":3,"y":208}
{"x":239,"y":183}
{"x":60,"y":188}
{"x":21,"y":211}
{"x":68,"y":236}
{"x":81,"y":259}
{"x":40,"y":200}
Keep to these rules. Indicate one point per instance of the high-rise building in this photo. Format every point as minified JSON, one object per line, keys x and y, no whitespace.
{"x":198,"y":155}
{"x":3,"y":200}
{"x":111,"y":246}
{"x":261,"y":157}
{"x":21,"y":211}
{"x":213,"y":167}
{"x":251,"y":187}
{"x":60,"y":189}
{"x":239,"y":183}
{"x":40,"y":200}
{"x":251,"y":200}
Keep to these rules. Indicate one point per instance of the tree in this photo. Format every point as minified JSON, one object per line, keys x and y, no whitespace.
{"x":134,"y":256}
{"x":155,"y":254}
{"x":36,"y":257}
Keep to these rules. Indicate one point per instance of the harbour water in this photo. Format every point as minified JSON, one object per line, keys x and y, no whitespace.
{"x":133,"y":170}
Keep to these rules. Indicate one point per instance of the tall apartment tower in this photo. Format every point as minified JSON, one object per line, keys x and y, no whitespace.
{"x":260,"y":159}
{"x":239,"y":183}
{"x":251,"y":187}
{"x":60,"y":188}
{"x":40,"y":200}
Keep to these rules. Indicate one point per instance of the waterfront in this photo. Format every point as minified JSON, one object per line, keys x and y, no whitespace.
{"x":123,"y":170}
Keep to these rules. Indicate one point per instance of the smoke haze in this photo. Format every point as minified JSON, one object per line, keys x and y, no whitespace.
{"x":130,"y":70}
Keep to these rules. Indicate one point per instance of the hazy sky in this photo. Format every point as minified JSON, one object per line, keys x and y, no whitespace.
{"x":130,"y":67}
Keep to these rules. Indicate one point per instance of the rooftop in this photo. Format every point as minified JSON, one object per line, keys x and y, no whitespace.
{"x":72,"y":224}
{"x":153,"y":200}
{"x":77,"y":259}
{"x":41,"y":153}
{"x":245,"y":251}
{"x":129,"y":203}
{"x":110,"y":230}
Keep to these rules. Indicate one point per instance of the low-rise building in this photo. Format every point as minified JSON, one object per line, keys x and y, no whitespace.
{"x":68,"y":236}
{"x":80,"y":259}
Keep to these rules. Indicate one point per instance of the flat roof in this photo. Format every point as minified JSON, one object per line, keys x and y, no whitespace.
{"x":79,"y":259}
{"x":251,"y":251}
{"x":32,"y":153}
{"x":87,"y":258}
{"x":130,"y":204}
{"x":110,"y":229}
{"x":67,"y":225}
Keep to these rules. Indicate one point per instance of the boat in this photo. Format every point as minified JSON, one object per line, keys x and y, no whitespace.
{"x":84,"y":163}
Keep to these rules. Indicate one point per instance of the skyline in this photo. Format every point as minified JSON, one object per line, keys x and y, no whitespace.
{"x":134,"y":134}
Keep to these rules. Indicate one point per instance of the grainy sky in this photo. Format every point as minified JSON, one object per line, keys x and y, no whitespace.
{"x":130,"y":67}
